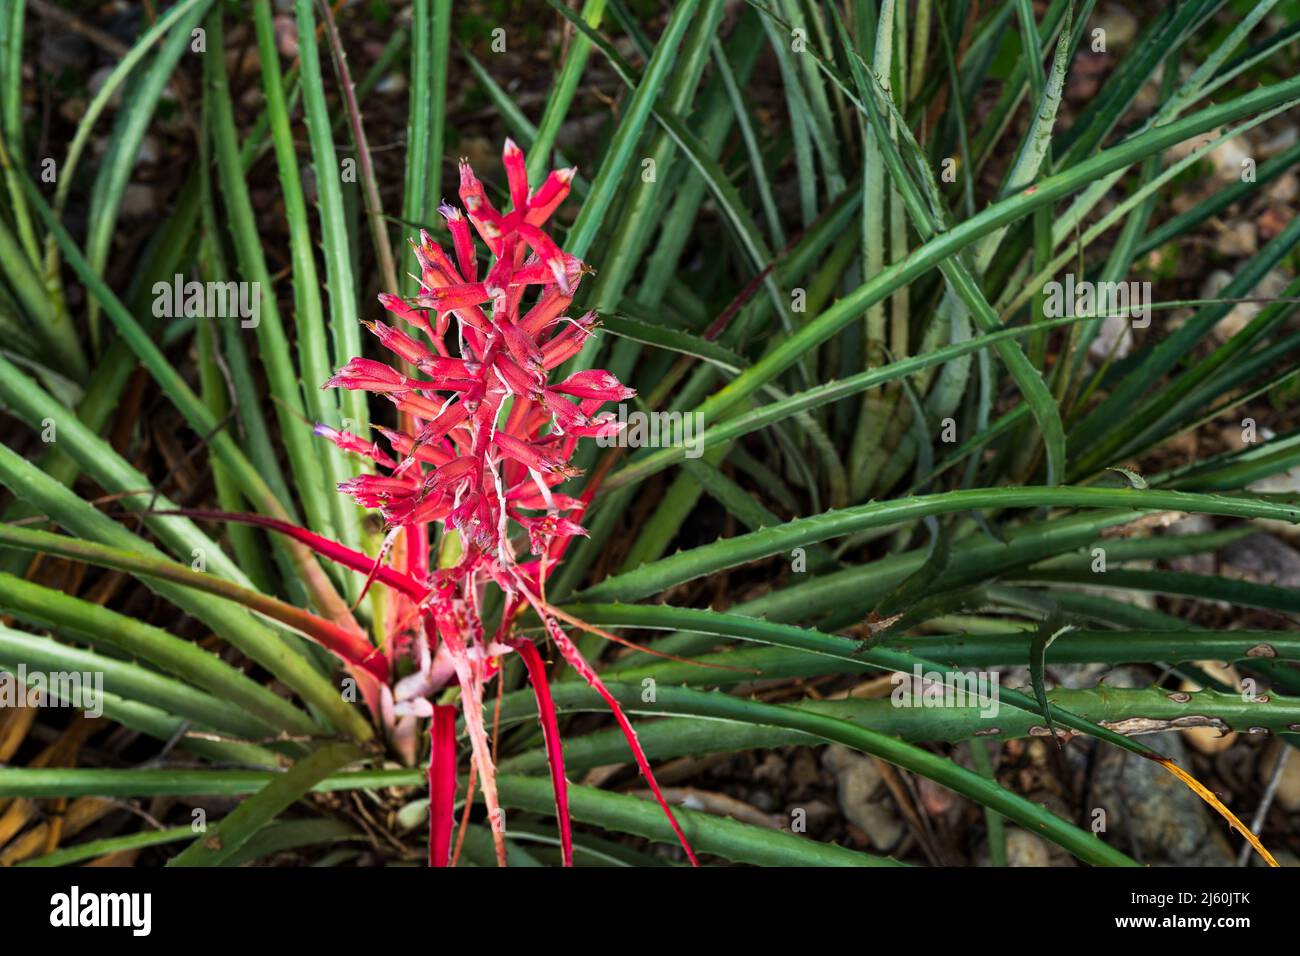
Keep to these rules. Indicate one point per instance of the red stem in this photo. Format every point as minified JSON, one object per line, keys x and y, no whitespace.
{"x":442,"y":783}
{"x":326,"y":547}
{"x":551,"y":736}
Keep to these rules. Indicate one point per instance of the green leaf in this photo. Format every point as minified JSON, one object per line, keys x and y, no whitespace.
{"x":296,"y":399}
{"x":219,"y":846}
{"x":130,"y":681}
{"x":835,"y":729}
{"x":339,"y":278}
{"x":947,"y":244}
{"x":632,"y":122}
{"x":235,"y":624}
{"x":1042,"y":639}
{"x":730,"y":552}
{"x":96,"y":848}
{"x":133,"y":119}
{"x":566,"y":85}
{"x":183,"y":659}
{"x":1134,"y":479}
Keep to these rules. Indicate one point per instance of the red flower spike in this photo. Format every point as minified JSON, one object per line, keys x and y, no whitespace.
{"x":478,"y":475}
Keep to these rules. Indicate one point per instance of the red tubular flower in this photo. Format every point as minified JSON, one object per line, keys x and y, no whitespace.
{"x":490,"y":439}
{"x":350,"y":442}
{"x":594,"y":384}
{"x":549,"y":196}
{"x":361,"y":373}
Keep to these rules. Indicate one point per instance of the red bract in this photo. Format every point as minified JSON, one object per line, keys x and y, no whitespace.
{"x":489,"y":437}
